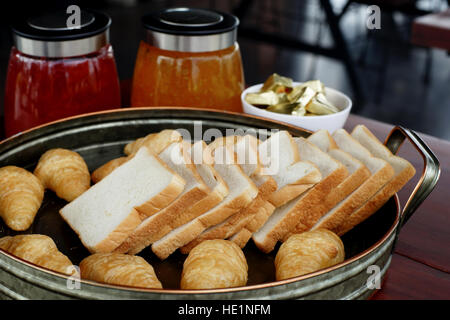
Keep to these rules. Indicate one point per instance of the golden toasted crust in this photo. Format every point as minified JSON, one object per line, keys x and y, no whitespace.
{"x":214,"y":264}
{"x":107,"y":168}
{"x":229,"y":227}
{"x":219,"y":192}
{"x":312,"y":207}
{"x":258,"y":220}
{"x":230,"y":208}
{"x":64,"y":172}
{"x":38,"y":249}
{"x":21,"y":195}
{"x":117,"y":236}
{"x":156,"y":142}
{"x":154,"y":228}
{"x":242,"y":237}
{"x":340,"y":215}
{"x":360,"y":196}
{"x":350,"y":184}
{"x":202,"y":206}
{"x":404,"y":172}
{"x":287,"y":193}
{"x":267,"y":187}
{"x":191,"y":231}
{"x":238,"y":220}
{"x":377,"y":201}
{"x":162,"y":199}
{"x":307,"y":210}
{"x":308,"y":252}
{"x":164,"y":248}
{"x":261,"y":217}
{"x":119,"y":269}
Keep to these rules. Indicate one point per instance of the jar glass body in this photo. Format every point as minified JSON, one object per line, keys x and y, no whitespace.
{"x":201,"y":79}
{"x":40,"y":90}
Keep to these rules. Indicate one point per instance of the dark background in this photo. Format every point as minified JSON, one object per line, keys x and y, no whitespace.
{"x":391,"y":69}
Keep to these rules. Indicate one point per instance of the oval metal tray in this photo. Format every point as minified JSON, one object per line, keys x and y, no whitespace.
{"x":101,"y":137}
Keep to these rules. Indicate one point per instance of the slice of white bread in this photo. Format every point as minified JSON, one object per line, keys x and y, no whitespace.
{"x":242,"y":192}
{"x":292,"y":180}
{"x":280,"y":158}
{"x":156,"y":142}
{"x":106,"y":214}
{"x":381,"y":173}
{"x":246,"y":149}
{"x":358,"y":174}
{"x":177,"y":157}
{"x":219,"y":188}
{"x":403,"y":172}
{"x":306,"y":209}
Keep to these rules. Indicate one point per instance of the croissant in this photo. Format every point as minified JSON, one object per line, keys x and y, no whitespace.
{"x":308,"y":252}
{"x":38,"y":249}
{"x":214,"y":264}
{"x":120,"y":269}
{"x":107,"y":168}
{"x":21,"y":195}
{"x":156,"y":142}
{"x":64,"y":172}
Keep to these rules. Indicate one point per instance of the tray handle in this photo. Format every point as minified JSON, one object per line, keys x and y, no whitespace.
{"x":431,"y":171}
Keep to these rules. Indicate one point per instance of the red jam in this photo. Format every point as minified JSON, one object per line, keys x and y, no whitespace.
{"x":41,"y":90}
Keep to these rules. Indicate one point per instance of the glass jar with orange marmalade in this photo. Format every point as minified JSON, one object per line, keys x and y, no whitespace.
{"x":190,"y":58}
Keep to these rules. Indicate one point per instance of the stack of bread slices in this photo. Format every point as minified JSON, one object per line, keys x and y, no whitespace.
{"x":169,"y":194}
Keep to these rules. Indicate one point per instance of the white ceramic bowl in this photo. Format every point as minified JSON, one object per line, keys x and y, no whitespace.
{"x":330,"y":122}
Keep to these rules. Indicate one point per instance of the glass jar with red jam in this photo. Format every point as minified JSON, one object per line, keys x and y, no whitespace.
{"x":56,"y":70}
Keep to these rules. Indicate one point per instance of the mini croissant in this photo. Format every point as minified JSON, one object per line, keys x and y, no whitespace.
{"x":308,"y":252}
{"x":120,"y":269}
{"x":64,"y":172}
{"x":156,"y":142}
{"x":107,"y":168}
{"x":214,"y":264}
{"x":21,"y":195}
{"x":38,"y":249}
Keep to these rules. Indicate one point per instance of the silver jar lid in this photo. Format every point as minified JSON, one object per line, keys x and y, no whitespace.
{"x":54,"y":36}
{"x":190,"y":29}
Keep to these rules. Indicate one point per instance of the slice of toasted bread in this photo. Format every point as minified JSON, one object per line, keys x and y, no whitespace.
{"x":381,"y":173}
{"x":242,"y":237}
{"x":246,"y":150}
{"x":155,"y":142}
{"x":359,"y":173}
{"x":306,"y":209}
{"x":242,"y":192}
{"x":106,"y":214}
{"x":159,"y":224}
{"x":403,"y":172}
{"x":280,"y":159}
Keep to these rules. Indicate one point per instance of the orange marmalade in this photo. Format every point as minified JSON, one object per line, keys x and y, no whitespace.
{"x":191,"y":79}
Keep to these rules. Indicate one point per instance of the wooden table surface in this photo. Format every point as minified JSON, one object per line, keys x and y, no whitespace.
{"x":420,"y":267}
{"x":432,"y":30}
